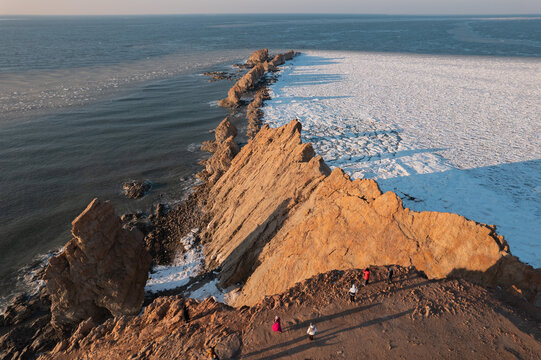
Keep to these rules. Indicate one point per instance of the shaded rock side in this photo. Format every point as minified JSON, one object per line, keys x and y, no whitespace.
{"x":245,"y":83}
{"x":101,"y":272}
{"x":278,"y":218}
{"x":290,"y":55}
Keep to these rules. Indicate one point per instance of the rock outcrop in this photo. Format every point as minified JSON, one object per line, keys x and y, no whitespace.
{"x":101,"y":272}
{"x":25,"y":328}
{"x":289,"y":55}
{"x":222,"y":132}
{"x":136,"y":189}
{"x":224,"y":149}
{"x":258,"y":57}
{"x":220,"y":75}
{"x":279,"y":216}
{"x":161,"y":332}
{"x":277,"y":60}
{"x":245,"y":83}
{"x":254,"y":114}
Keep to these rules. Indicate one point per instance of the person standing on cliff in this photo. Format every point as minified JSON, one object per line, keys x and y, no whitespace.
{"x":352,"y":293}
{"x":185,"y":313}
{"x":212,"y":353}
{"x":277,"y":327}
{"x":311,"y":331}
{"x":366,"y":273}
{"x":390,"y":274}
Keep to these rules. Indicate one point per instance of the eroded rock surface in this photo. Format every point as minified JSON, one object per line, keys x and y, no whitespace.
{"x":161,"y":332}
{"x":224,"y":149}
{"x":222,"y":132}
{"x":254,"y":114}
{"x":136,"y":189}
{"x":101,"y":272}
{"x":278,"y":216}
{"x":25,"y":328}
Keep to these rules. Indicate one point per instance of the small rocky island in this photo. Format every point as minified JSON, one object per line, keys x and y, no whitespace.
{"x":284,"y":236}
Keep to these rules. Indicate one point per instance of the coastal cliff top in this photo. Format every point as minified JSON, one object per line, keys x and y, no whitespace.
{"x":411,"y":316}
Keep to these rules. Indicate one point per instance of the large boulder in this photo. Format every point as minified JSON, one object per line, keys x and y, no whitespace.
{"x":101,"y":272}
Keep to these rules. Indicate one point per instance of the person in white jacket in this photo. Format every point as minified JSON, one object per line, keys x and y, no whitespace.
{"x":311,"y":331}
{"x":352,"y":293}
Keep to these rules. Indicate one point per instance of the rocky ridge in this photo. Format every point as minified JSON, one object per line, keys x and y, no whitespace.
{"x":279,"y":207}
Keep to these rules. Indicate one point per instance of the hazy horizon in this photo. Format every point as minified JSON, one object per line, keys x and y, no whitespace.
{"x":216,"y":7}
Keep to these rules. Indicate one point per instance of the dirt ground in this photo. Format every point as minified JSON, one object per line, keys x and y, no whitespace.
{"x":411,"y":318}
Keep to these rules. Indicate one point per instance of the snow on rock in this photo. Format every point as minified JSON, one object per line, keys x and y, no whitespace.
{"x":210,"y":289}
{"x":186,"y":265}
{"x":451,"y":134}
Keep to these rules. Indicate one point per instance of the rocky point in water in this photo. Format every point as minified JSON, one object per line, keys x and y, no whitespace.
{"x":136,"y":189}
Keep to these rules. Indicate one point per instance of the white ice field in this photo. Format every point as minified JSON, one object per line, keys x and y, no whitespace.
{"x":452,"y":134}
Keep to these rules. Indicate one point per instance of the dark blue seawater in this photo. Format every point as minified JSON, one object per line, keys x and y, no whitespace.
{"x":87,"y":103}
{"x":65,"y":42}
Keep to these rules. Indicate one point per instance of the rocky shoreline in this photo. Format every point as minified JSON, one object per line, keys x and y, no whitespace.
{"x":271,"y":214}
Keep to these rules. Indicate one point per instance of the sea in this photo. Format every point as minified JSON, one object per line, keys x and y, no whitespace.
{"x":87,"y":103}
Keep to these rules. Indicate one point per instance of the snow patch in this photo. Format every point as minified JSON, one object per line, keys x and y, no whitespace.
{"x":185,"y":265}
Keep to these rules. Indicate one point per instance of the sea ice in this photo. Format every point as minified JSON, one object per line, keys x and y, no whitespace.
{"x":446,"y":133}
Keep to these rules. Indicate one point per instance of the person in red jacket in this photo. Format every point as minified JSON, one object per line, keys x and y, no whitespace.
{"x":277,"y":327}
{"x":366,"y":273}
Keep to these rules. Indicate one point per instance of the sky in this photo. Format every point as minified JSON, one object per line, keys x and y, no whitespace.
{"x":141,"y":7}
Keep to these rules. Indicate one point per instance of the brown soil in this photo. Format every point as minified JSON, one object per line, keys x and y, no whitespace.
{"x":412,"y":317}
